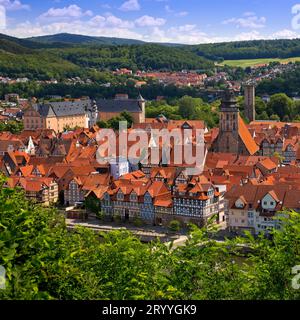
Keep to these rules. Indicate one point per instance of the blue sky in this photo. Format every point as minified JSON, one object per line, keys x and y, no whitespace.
{"x":180,"y":21}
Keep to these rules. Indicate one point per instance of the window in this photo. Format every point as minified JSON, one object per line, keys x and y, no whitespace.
{"x":265,"y":203}
{"x":120,"y":196}
{"x":133,"y":197}
{"x":272,"y":203}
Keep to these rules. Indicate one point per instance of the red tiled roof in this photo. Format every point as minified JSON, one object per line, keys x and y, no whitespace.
{"x":246,"y":137}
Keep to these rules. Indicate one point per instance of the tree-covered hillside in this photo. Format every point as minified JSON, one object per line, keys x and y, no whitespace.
{"x":25,"y":58}
{"x":66,"y":55}
{"x":249,"y":49}
{"x":77,"y":39}
{"x":148,"y":56}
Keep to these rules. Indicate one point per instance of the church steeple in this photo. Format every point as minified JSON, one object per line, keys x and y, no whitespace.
{"x":229,"y":102}
{"x":228,"y":139}
{"x":229,"y":112}
{"x":234,"y":136}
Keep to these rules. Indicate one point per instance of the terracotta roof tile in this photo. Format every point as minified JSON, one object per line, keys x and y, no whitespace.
{"x":246,"y":137}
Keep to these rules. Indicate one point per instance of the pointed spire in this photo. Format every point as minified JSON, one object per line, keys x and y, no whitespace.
{"x":30,"y":147}
{"x":140,"y":97}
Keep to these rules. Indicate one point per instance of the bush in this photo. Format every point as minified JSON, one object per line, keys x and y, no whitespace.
{"x":117,"y":218}
{"x":100,"y":215}
{"x":138,"y":222}
{"x":174,"y":226}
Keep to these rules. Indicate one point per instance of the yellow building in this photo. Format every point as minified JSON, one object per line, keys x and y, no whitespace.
{"x":58,"y":115}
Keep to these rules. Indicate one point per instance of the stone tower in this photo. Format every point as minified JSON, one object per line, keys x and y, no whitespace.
{"x":250,"y":102}
{"x":228,"y":138}
{"x":92,"y":114}
{"x":142,"y":103}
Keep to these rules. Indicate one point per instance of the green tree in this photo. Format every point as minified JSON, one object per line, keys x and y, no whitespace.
{"x":281,"y":105}
{"x":274,"y":117}
{"x":188,"y":106}
{"x":127,"y":117}
{"x":43,"y":260}
{"x":102,"y":124}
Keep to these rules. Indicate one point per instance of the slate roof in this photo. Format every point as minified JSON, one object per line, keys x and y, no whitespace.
{"x":63,"y":109}
{"x":118,"y":105}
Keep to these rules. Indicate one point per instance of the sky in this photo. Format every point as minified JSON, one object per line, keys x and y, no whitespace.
{"x":176,"y":21}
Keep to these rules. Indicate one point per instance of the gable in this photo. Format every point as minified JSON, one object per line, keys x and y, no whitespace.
{"x":239,"y":203}
{"x":268,"y":202}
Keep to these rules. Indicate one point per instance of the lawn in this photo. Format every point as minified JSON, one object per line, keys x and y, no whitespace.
{"x":254,"y":62}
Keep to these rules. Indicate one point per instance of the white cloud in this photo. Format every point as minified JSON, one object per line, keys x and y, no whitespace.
{"x":110,"y":21}
{"x":168,"y":9}
{"x":249,"y":20}
{"x":181,"y":14}
{"x":105,"y":28}
{"x":130,"y":5}
{"x":148,"y":21}
{"x":187,"y":34}
{"x":72,"y":11}
{"x":14,"y":5}
{"x":285,"y":34}
{"x":249,"y":13}
{"x":252,"y":35}
{"x":106,"y":6}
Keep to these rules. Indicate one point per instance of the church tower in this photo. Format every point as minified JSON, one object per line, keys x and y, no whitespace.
{"x":142,"y":103}
{"x":228,"y":138}
{"x":92,"y":114}
{"x":249,"y":95}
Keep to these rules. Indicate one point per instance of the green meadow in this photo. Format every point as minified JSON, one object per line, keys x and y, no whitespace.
{"x":255,"y":62}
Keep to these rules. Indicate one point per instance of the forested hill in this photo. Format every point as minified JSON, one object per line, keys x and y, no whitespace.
{"x":76,"y":39}
{"x":65,"y":55}
{"x":26,"y":58}
{"x":249,"y":49}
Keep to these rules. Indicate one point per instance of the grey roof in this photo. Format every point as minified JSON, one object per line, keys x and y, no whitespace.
{"x":119,"y":105}
{"x":63,"y":109}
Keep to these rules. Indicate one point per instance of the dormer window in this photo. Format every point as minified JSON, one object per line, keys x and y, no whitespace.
{"x":120,"y":196}
{"x":133,"y":197}
{"x":270,"y":201}
{"x":239,"y":204}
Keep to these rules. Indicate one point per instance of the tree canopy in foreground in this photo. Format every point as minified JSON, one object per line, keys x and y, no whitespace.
{"x":45,"y":261}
